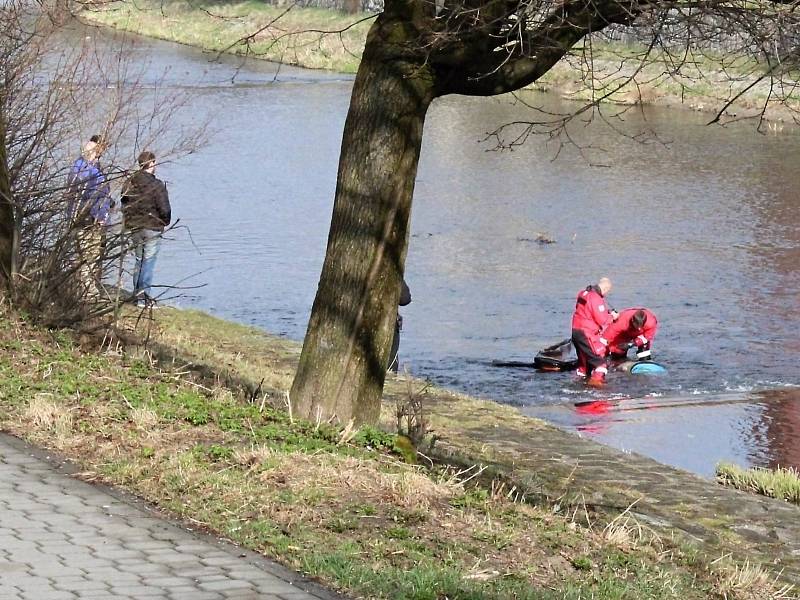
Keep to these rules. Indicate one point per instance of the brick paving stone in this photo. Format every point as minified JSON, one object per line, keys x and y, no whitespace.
{"x":30,"y":587}
{"x":103,"y":594}
{"x":15,"y":567}
{"x":212,"y":577}
{"x":52,"y":595}
{"x":224,"y":585}
{"x":79,"y":587}
{"x":196,"y":595}
{"x":276,"y":588}
{"x":179,"y":590}
{"x":65,"y":539}
{"x":120,"y":578}
{"x":54,"y":568}
{"x":137,"y":591}
{"x":171,"y":582}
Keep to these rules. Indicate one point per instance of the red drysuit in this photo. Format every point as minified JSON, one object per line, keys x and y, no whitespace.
{"x":590,"y":319}
{"x":620,"y":333}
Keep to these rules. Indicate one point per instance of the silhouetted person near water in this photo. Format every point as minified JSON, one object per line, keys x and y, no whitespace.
{"x":405,"y":299}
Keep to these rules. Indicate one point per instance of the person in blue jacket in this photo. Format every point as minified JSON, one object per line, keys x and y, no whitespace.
{"x":89,"y":194}
{"x":88,"y":208}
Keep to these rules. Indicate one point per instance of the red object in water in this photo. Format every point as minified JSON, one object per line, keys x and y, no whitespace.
{"x":598,"y":377}
{"x":598,"y":407}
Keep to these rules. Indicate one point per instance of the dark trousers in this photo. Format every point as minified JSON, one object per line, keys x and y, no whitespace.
{"x":588,"y":359}
{"x":393,"y":358}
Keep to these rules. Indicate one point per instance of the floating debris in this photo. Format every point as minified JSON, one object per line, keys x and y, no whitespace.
{"x":541,"y":238}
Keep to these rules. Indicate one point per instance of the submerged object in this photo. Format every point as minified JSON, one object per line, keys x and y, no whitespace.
{"x":559,"y":357}
{"x":552,"y":363}
{"x":647,"y":367}
{"x":640,"y":367}
{"x":556,"y":357}
{"x":553,"y":358}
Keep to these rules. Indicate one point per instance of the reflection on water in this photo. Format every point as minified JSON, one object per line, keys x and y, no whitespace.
{"x":702,"y":230}
{"x":693,"y":432}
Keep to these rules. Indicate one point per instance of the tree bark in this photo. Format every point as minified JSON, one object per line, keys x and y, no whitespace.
{"x":412,"y":55}
{"x":7,"y":222}
{"x":343,"y":362}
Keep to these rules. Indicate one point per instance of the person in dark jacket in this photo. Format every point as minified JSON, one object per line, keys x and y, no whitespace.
{"x":146,"y":212}
{"x":405,"y":299}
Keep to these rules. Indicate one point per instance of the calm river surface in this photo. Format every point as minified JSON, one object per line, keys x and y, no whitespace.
{"x":703,"y":231}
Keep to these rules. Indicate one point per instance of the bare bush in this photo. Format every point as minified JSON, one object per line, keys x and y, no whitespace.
{"x":60,"y":87}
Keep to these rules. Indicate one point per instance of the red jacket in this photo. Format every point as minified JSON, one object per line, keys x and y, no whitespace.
{"x":592,"y":315}
{"x":620,"y":332}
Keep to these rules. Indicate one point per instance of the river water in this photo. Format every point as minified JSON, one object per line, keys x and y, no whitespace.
{"x":700,"y":226}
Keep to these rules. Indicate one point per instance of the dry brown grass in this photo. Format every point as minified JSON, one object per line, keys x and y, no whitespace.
{"x":750,"y":582}
{"x":45,"y":414}
{"x":406,"y":487}
{"x":144,"y":419}
{"x":245,"y":351}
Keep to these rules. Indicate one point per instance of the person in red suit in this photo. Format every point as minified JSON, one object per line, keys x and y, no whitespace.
{"x":634,"y":327}
{"x":589,"y":321}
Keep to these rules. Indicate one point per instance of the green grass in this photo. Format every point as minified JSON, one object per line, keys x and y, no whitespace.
{"x":780,"y":483}
{"x":351,"y":514}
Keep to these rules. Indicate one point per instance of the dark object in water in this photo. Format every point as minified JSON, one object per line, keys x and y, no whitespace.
{"x":553,"y":358}
{"x":514,"y":364}
{"x":558,"y":357}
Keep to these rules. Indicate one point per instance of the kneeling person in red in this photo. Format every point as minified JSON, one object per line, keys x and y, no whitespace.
{"x":634,"y":327}
{"x":591,"y":318}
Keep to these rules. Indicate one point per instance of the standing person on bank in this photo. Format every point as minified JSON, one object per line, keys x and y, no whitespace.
{"x":591,"y":317}
{"x":146,"y":212}
{"x":88,"y":207}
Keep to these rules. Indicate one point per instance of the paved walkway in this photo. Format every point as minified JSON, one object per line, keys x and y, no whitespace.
{"x":62,"y":538}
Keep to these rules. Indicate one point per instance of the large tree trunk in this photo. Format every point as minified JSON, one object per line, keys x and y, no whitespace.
{"x":7,"y":228}
{"x":343,"y":362}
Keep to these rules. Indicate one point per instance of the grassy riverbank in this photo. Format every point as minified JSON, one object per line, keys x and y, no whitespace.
{"x":339,"y":505}
{"x":780,"y":483}
{"x":307,"y":37}
{"x":322,"y":39}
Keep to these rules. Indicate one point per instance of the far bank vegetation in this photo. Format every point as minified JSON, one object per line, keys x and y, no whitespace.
{"x":610,"y":66}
